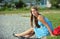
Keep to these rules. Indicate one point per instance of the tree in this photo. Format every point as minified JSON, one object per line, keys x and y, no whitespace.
{"x":37,"y":1}
{"x":55,"y":3}
{"x":1,"y":1}
{"x":20,"y":4}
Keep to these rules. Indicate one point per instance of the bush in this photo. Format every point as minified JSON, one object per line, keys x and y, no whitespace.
{"x":55,"y":3}
{"x":20,"y":4}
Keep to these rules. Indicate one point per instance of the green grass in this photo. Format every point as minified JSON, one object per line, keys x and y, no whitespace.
{"x":15,"y":11}
{"x":25,"y":10}
{"x":56,"y":37}
{"x":55,"y":19}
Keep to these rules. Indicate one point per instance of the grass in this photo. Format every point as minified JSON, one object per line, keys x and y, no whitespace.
{"x":57,"y":37}
{"x":14,"y":11}
{"x":27,"y":10}
{"x":55,"y":19}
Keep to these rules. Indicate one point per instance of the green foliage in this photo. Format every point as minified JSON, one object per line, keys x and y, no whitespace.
{"x":12,"y":4}
{"x":55,"y":3}
{"x":1,"y":1}
{"x":20,"y":4}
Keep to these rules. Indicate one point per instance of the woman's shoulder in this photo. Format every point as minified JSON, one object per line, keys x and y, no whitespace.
{"x":40,"y":16}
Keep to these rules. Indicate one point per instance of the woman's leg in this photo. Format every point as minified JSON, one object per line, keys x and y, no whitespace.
{"x":27,"y":33}
{"x":30,"y":35}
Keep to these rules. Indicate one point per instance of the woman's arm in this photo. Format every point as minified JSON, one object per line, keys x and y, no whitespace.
{"x":43,"y":21}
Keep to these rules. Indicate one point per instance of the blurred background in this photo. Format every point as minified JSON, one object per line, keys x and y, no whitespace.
{"x":17,"y":4}
{"x":15,"y":16}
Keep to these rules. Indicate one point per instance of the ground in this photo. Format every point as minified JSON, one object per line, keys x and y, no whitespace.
{"x":18,"y":23}
{"x":15,"y":23}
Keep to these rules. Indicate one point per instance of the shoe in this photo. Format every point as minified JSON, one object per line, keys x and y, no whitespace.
{"x":18,"y":36}
{"x":15,"y":35}
{"x":21,"y":37}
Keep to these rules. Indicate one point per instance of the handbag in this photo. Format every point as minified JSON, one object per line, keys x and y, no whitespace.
{"x":56,"y":31}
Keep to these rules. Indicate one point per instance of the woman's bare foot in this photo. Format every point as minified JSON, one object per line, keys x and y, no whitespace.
{"x":53,"y":35}
{"x":16,"y":35}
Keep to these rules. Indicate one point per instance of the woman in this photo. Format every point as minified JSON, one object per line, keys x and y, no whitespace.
{"x":41,"y":28}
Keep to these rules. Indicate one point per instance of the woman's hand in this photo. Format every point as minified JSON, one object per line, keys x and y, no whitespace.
{"x":52,"y":35}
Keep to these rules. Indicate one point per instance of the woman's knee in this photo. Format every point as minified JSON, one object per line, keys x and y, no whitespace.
{"x":29,"y":35}
{"x":31,"y":28}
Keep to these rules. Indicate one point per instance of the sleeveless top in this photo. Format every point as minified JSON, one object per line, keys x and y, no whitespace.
{"x":43,"y":31}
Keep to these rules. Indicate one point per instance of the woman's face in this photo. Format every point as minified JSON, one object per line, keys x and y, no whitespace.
{"x":34,"y":12}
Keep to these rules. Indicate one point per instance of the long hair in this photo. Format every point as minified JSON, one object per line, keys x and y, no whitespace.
{"x":34,"y":18}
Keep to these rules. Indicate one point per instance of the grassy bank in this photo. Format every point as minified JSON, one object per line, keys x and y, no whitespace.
{"x":27,"y":10}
